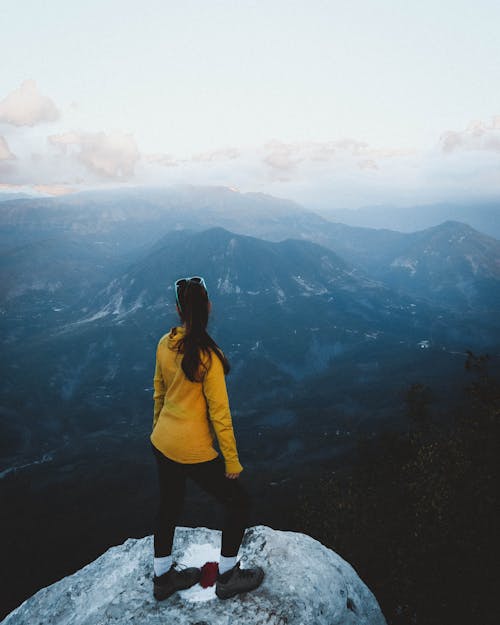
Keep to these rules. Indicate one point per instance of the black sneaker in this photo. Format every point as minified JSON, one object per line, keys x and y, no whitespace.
{"x":174,"y":580}
{"x":238,"y":580}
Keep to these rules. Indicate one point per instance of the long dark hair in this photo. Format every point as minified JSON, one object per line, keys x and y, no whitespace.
{"x":193,"y":301}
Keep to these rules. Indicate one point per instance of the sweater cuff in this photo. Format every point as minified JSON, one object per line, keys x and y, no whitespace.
{"x":233,"y":466}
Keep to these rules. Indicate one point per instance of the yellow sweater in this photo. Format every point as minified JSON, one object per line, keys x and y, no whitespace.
{"x":187,"y":413}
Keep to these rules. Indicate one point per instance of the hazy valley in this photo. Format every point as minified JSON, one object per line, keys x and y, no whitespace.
{"x":304,"y":308}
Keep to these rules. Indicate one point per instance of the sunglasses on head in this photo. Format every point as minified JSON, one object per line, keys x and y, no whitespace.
{"x":184,"y":281}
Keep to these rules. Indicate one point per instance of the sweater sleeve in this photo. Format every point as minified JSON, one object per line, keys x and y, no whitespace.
{"x":215,"y":391}
{"x":159,"y":391}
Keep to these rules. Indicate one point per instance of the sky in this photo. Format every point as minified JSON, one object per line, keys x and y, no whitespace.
{"x":332,"y":103}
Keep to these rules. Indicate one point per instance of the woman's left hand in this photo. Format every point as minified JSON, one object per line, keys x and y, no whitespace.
{"x":232,"y":476}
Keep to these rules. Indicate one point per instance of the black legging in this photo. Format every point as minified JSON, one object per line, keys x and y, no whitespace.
{"x":211,"y":477}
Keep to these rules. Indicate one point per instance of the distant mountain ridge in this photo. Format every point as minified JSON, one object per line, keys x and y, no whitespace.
{"x":450,"y":264}
{"x":132,"y":218}
{"x":480,"y":215}
{"x":5,"y":196}
{"x":118,"y":227}
{"x":129,"y":221}
{"x":149,"y":203}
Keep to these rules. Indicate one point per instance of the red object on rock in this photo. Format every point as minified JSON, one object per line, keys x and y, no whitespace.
{"x":209,"y":573}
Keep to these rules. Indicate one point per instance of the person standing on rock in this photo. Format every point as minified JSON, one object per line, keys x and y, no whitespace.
{"x":190,"y":407}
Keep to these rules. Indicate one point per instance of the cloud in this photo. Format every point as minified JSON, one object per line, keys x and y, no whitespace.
{"x":478,"y":135}
{"x":326,"y":150}
{"x":391,"y":152}
{"x":282,"y":158}
{"x":221,"y":154}
{"x":367,"y":163}
{"x":344,"y":172}
{"x":165,"y":160}
{"x":26,"y":106}
{"x":214,"y":156}
{"x":112,"y":156}
{"x":5,"y":153}
{"x":62,"y":141}
{"x":53,"y":189}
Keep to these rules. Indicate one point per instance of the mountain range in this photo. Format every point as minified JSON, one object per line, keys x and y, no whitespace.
{"x":116,"y":227}
{"x":482,"y":215}
{"x":87,"y":290}
{"x":330,"y":330}
{"x":450,"y":264}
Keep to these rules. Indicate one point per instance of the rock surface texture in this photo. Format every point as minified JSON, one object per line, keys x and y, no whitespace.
{"x":305,"y":583}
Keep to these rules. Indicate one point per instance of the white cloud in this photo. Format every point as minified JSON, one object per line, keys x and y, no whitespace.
{"x":64,"y":140}
{"x":283,"y":159}
{"x":222,"y":154}
{"x":5,"y":153}
{"x":343,"y":173}
{"x":214,"y":156}
{"x":53,"y":189}
{"x":26,"y":106}
{"x":165,"y":160}
{"x":113,"y":155}
{"x":367,"y":163}
{"x":478,"y":135}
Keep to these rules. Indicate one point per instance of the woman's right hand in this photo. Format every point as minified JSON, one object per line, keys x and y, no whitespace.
{"x":232,"y":476}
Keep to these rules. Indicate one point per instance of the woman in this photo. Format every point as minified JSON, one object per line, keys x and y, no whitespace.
{"x":190,"y":406}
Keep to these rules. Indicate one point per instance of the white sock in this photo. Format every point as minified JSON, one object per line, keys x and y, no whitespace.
{"x":162,"y":565}
{"x":226,"y":563}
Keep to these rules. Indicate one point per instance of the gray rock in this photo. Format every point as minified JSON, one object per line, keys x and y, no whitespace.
{"x":305,"y":583}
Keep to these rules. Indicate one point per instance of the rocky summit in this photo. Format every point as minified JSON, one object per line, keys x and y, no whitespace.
{"x":305,"y":583}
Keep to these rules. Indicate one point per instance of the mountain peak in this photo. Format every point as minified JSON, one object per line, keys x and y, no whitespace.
{"x":457,"y":230}
{"x":454,"y":225}
{"x":117,"y":587}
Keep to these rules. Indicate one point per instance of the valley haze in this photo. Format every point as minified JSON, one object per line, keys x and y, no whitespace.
{"x":298,"y":299}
